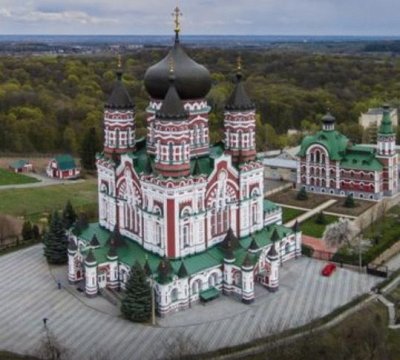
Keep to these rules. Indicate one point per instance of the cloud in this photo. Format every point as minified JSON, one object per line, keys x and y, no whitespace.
{"x":283,"y":17}
{"x":43,"y":17}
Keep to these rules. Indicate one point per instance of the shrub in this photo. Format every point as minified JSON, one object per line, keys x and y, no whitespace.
{"x":302,"y":194}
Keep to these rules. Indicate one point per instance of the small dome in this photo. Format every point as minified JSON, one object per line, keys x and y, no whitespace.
{"x":239,"y":100}
{"x":120,"y":98}
{"x":193,"y":81}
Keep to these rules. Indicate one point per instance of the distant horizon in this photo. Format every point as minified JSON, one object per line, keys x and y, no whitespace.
{"x":211,"y":35}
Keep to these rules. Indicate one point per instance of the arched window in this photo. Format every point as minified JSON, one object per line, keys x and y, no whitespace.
{"x":174,"y":295}
{"x":196,"y":286}
{"x":317,"y":157}
{"x":237,"y":279}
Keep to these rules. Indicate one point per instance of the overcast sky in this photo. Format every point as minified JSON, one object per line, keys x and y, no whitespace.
{"x":244,"y":17}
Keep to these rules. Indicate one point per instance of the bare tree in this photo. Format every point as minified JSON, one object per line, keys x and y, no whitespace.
{"x":50,"y":348}
{"x":340,"y":232}
{"x":181,"y":347}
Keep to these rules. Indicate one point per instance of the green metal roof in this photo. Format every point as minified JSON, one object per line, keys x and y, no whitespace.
{"x":386,"y":127}
{"x":65,"y":162}
{"x":209,"y":294}
{"x":270,"y":206}
{"x":213,"y":257}
{"x":361,"y":158}
{"x":334,"y":142}
{"x":19,"y":164}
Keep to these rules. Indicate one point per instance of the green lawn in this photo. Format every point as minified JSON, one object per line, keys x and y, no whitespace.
{"x":311,"y":228}
{"x":11,"y":178}
{"x":290,"y":214}
{"x":33,"y":202}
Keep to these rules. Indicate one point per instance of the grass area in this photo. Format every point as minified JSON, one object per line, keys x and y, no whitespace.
{"x":11,"y":178}
{"x":290,"y":214}
{"x":288,"y":197}
{"x":311,"y":228}
{"x":34,"y":202}
{"x":361,"y":207}
{"x":5,"y":355}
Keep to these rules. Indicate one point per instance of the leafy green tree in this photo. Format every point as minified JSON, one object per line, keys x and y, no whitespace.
{"x":69,"y":215}
{"x":55,"y":241}
{"x":136,"y":305}
{"x":302,"y":194}
{"x":27,"y":231}
{"x":89,"y":147}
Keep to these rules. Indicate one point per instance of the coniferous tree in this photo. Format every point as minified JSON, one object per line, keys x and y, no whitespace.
{"x":55,"y":241}
{"x":89,"y":147}
{"x":320,"y":218}
{"x":349,"y":202}
{"x":27,"y":231}
{"x":302,"y":194}
{"x":69,"y":215}
{"x":136,"y":305}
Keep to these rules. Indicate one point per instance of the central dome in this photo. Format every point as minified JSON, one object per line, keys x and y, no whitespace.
{"x":192,"y":80}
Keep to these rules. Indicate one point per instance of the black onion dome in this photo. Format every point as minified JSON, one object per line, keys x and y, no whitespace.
{"x":172,"y":107}
{"x":239,"y":100}
{"x":328,"y":118}
{"x":193,"y":81}
{"x":119,"y":98}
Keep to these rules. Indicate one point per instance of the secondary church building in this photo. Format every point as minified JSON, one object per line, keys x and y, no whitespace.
{"x":192,"y":214}
{"x":330,"y":163}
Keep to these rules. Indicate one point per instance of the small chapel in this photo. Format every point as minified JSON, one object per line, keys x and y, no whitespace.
{"x":191,"y":213}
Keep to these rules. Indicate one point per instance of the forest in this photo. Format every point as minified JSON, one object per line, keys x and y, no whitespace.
{"x":49,"y":103}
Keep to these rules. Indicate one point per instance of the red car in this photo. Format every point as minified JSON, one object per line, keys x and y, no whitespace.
{"x":328,"y":269}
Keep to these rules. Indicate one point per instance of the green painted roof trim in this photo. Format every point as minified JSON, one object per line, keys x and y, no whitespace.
{"x":213,"y":257}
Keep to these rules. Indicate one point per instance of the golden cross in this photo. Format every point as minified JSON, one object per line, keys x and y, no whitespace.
{"x":177,"y":14}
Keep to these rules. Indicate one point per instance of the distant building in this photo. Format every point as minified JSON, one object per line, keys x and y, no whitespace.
{"x":329,"y":163}
{"x":63,"y":167}
{"x":283,"y":166}
{"x":373,"y":117}
{"x":21,"y":166}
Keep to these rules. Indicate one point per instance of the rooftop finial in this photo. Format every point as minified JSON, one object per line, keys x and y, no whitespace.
{"x":119,"y":61}
{"x":177,"y":14}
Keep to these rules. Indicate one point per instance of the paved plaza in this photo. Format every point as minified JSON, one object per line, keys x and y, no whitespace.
{"x":28,"y":293}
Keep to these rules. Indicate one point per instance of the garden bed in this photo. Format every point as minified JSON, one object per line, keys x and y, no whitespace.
{"x":361,"y":207}
{"x":288,"y":197}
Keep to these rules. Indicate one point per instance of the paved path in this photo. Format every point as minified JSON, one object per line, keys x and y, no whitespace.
{"x":43,"y":181}
{"x":311,"y":213}
{"x":394,"y":263}
{"x":28,"y":293}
